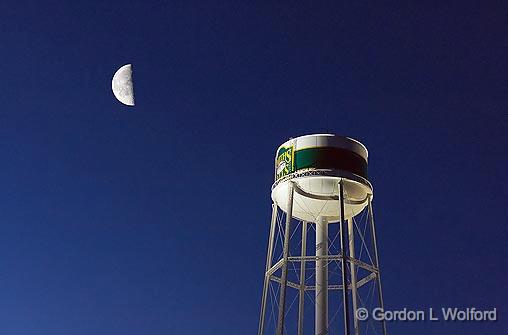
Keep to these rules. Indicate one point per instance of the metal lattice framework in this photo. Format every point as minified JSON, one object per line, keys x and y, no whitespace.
{"x":349,"y":257}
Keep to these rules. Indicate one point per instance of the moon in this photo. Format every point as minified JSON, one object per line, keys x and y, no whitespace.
{"x":122,"y":85}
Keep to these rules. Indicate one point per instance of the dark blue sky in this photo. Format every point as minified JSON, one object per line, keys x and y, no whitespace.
{"x":154,"y":219}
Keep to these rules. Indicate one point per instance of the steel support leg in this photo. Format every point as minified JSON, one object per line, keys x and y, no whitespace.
{"x":376,"y":259}
{"x":301,"y":301}
{"x":269,"y":256}
{"x":284,"y":275}
{"x":352,"y":267}
{"x":343,"y":247}
{"x":321,"y":325}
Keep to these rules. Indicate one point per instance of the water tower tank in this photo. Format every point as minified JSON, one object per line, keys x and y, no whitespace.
{"x":315,"y":164}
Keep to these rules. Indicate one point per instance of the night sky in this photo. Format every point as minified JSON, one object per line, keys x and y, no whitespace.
{"x":154,"y":219}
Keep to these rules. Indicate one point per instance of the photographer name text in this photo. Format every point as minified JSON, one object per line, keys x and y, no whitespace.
{"x":449,"y":314}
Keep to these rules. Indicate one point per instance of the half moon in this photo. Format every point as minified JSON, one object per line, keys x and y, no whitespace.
{"x":122,"y":85}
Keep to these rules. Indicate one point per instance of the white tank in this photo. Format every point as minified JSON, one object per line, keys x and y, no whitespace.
{"x":316,"y":164}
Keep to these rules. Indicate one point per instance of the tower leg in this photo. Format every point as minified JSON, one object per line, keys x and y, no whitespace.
{"x":321,"y":325}
{"x":285,"y":253}
{"x":269,"y":256}
{"x":352,"y":267}
{"x":343,"y":246}
{"x":301,"y":301}
{"x":376,"y":259}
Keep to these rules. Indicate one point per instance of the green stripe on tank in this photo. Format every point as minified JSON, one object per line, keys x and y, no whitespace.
{"x":330,"y":158}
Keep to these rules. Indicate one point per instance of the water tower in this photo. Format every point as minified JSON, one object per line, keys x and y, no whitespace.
{"x":322,"y":263}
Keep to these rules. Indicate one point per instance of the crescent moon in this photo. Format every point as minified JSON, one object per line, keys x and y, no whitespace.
{"x":122,"y":85}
